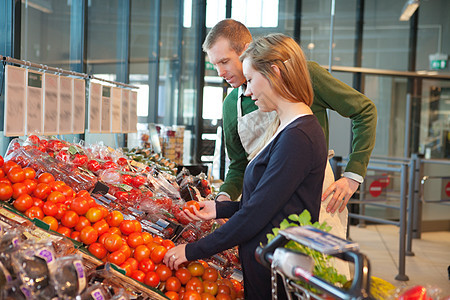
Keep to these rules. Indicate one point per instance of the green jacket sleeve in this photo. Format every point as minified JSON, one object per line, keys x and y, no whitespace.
{"x":330,"y":93}
{"x":235,"y":150}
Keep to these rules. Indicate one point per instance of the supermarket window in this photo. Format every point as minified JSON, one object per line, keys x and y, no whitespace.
{"x":256,"y":13}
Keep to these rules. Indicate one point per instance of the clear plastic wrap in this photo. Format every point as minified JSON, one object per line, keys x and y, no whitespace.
{"x":69,"y":278}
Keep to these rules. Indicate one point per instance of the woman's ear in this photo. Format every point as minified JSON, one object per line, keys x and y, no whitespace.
{"x":276,"y":69}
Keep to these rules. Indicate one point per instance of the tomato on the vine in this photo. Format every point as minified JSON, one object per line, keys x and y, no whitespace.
{"x":139,"y":180}
{"x":122,"y":161}
{"x":80,"y":159}
{"x":127,"y":179}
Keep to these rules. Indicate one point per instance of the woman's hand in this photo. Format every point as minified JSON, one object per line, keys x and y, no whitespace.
{"x":207,"y":211}
{"x":175,"y":257}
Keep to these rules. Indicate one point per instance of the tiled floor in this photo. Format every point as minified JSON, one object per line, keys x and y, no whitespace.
{"x":428,"y":267}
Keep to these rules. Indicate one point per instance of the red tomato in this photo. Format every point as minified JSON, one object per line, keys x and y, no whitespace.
{"x":16,"y":175}
{"x":122,"y":196}
{"x":56,"y":185}
{"x":135,"y":239}
{"x":80,"y":205}
{"x":104,"y":210}
{"x":19,"y":188}
{"x":113,"y":242}
{"x":2,"y":173}
{"x":139,"y":180}
{"x":75,"y":235}
{"x":115,"y":230}
{"x":151,"y":279}
{"x":196,"y":268}
{"x":122,"y":161}
{"x":30,"y":173}
{"x":125,"y":249}
{"x":133,"y":262}
{"x":23,"y":203}
{"x":9,"y":165}
{"x":82,"y":222}
{"x":146,"y":265}
{"x":172,"y":283}
{"x":157,"y":239}
{"x":141,"y":252}
{"x":42,"y":190}
{"x":80,"y":159}
{"x":127,"y":268}
{"x":34,"y":212}
{"x":56,"y":197}
{"x":70,"y":219}
{"x":210,"y":274}
{"x":37,"y":202}
{"x":127,"y":179}
{"x":1,"y":161}
{"x":109,"y":165}
{"x":101,"y":226}
{"x":127,"y":227}
{"x":183,"y":275}
{"x":94,"y":214}
{"x":98,"y":250}
{"x":158,"y":253}
{"x":194,"y":284}
{"x":164,"y":272}
{"x":61,"y":210}
{"x":168,"y":244}
{"x":210,"y":287}
{"x":6,"y":191}
{"x":83,"y":193}
{"x":94,"y":165}
{"x":88,"y":235}
{"x":137,"y":226}
{"x":117,"y":257}
{"x":172,"y":295}
{"x":147,"y":237}
{"x":31,"y":185}
{"x":52,"y":222}
{"x":65,"y":231}
{"x":46,"y":178}
{"x":33,"y":139}
{"x":68,"y":191}
{"x":114,"y":218}
{"x":223,"y":296}
{"x":49,"y":208}
{"x":190,"y":206}
{"x":138,"y":275}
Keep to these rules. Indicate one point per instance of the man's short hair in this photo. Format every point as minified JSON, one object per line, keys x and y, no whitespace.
{"x":234,"y":31}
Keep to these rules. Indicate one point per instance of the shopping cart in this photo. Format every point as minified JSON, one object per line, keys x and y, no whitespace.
{"x":294,"y":267}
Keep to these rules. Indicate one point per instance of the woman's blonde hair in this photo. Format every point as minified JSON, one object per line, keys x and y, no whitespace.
{"x":293,"y":83}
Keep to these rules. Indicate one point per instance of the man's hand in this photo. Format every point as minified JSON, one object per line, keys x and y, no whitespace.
{"x":207,"y":211}
{"x":343,"y":190}
{"x":175,"y":256}
{"x":223,"y":197}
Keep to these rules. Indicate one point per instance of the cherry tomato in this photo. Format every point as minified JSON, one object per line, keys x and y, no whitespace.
{"x":117,"y":257}
{"x":6,"y":191}
{"x":190,"y":206}
{"x":98,"y":250}
{"x":42,"y":190}
{"x":70,"y":219}
{"x":30,"y":173}
{"x":88,"y":235}
{"x":158,"y":253}
{"x":34,"y":212}
{"x":138,"y":275}
{"x":52,"y":222}
{"x":94,"y":165}
{"x":146,"y":265}
{"x":19,"y":188}
{"x":16,"y":175}
{"x":183,"y":275}
{"x":127,"y":227}
{"x":172,"y":283}
{"x":151,"y":279}
{"x":82,"y":222}
{"x":23,"y":203}
{"x":94,"y":214}
{"x":46,"y":178}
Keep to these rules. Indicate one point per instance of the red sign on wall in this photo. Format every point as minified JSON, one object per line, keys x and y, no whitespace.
{"x":375,"y":188}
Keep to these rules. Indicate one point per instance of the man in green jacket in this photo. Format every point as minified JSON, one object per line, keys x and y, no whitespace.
{"x":243,"y":124}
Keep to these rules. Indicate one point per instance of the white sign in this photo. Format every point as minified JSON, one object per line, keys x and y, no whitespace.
{"x":51,"y":104}
{"x":95,"y":98}
{"x":65,"y":104}
{"x":35,"y":120}
{"x":79,"y":105}
{"x":15,"y":100}
{"x":116,"y":105}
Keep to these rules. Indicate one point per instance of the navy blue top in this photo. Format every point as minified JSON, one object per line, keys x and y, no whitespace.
{"x":284,"y":179}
